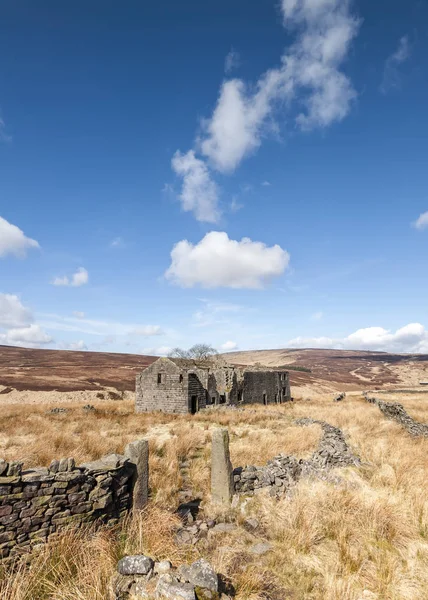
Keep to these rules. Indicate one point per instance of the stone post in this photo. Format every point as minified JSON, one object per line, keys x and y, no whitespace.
{"x":138,"y":454}
{"x":221,"y":468}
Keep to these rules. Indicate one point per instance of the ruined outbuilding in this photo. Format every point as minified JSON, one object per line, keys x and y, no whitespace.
{"x":176,"y":385}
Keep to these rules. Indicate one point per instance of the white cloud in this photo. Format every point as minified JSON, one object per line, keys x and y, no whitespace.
{"x":217,"y":261}
{"x":32,"y":336}
{"x":317,"y":316}
{"x":147,"y":330}
{"x":308,"y":85}
{"x":79,"y":278}
{"x":199,"y":193}
{"x":13,"y":240}
{"x":422,"y":221}
{"x":266,"y":183}
{"x":232,"y":61}
{"x":229,"y":346}
{"x":391,"y":75}
{"x":17,"y":326}
{"x":78,"y":314}
{"x":13,"y":313}
{"x":309,"y":75}
{"x":412,"y":338}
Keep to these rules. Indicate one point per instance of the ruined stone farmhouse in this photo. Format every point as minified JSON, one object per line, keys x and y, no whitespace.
{"x":176,"y":385}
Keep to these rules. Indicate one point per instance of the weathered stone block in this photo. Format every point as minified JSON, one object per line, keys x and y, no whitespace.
{"x":138,"y":455}
{"x":221,"y":468}
{"x":5,"y":510}
{"x":81,"y":508}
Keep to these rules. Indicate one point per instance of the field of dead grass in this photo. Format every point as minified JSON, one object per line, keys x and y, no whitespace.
{"x":364,"y":539}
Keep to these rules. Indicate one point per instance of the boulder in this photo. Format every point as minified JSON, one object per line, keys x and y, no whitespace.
{"x":135,"y":565}
{"x":200,"y":574}
{"x":170,"y":589}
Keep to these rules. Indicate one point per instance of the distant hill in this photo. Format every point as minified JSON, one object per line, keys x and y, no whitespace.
{"x":68,"y":371}
{"x":330,"y":370}
{"x":340,"y":369}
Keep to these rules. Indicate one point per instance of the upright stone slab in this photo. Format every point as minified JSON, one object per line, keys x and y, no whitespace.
{"x":138,"y":454}
{"x":221,"y":468}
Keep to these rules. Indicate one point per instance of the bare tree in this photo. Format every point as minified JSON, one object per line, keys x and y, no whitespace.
{"x":197,"y":352}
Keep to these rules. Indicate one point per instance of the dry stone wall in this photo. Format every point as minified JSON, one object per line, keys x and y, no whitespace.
{"x":282,"y":472}
{"x":36,"y":503}
{"x":397,"y":412}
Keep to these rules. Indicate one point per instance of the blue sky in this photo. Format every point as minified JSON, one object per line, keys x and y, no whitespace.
{"x":248,"y":174}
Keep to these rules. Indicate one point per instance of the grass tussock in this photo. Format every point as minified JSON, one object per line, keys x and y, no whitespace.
{"x":364,"y":539}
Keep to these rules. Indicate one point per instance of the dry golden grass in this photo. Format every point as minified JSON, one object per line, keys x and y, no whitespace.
{"x":363,"y":540}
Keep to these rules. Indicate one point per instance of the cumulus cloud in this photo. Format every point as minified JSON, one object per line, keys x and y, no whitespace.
{"x":147,"y":330}
{"x":412,"y":338}
{"x":13,"y":313}
{"x":229,"y":346}
{"x":32,"y":336}
{"x":79,"y":278}
{"x":17,"y":327}
{"x":13,"y":240}
{"x":391,"y":74}
{"x":199,"y":192}
{"x":308,"y":86}
{"x":232,"y":61}
{"x":422,"y":221}
{"x":217,"y":261}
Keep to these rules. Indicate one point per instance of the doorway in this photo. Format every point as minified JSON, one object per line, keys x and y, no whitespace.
{"x":223,"y":399}
{"x":193,"y":405}
{"x":264,"y":399}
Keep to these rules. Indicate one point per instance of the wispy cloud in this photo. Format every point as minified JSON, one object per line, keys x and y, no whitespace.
{"x":391,"y":74}
{"x":309,"y":84}
{"x":317,"y":316}
{"x":117,"y":243}
{"x":232,"y":61}
{"x":216,"y":313}
{"x":96,"y":327}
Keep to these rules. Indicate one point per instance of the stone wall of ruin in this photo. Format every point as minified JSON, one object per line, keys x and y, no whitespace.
{"x":272,"y":385}
{"x":171,"y":395}
{"x":37,"y":503}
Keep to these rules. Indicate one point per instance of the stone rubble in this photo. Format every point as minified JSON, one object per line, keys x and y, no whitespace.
{"x":140,"y":577}
{"x":339,"y":397}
